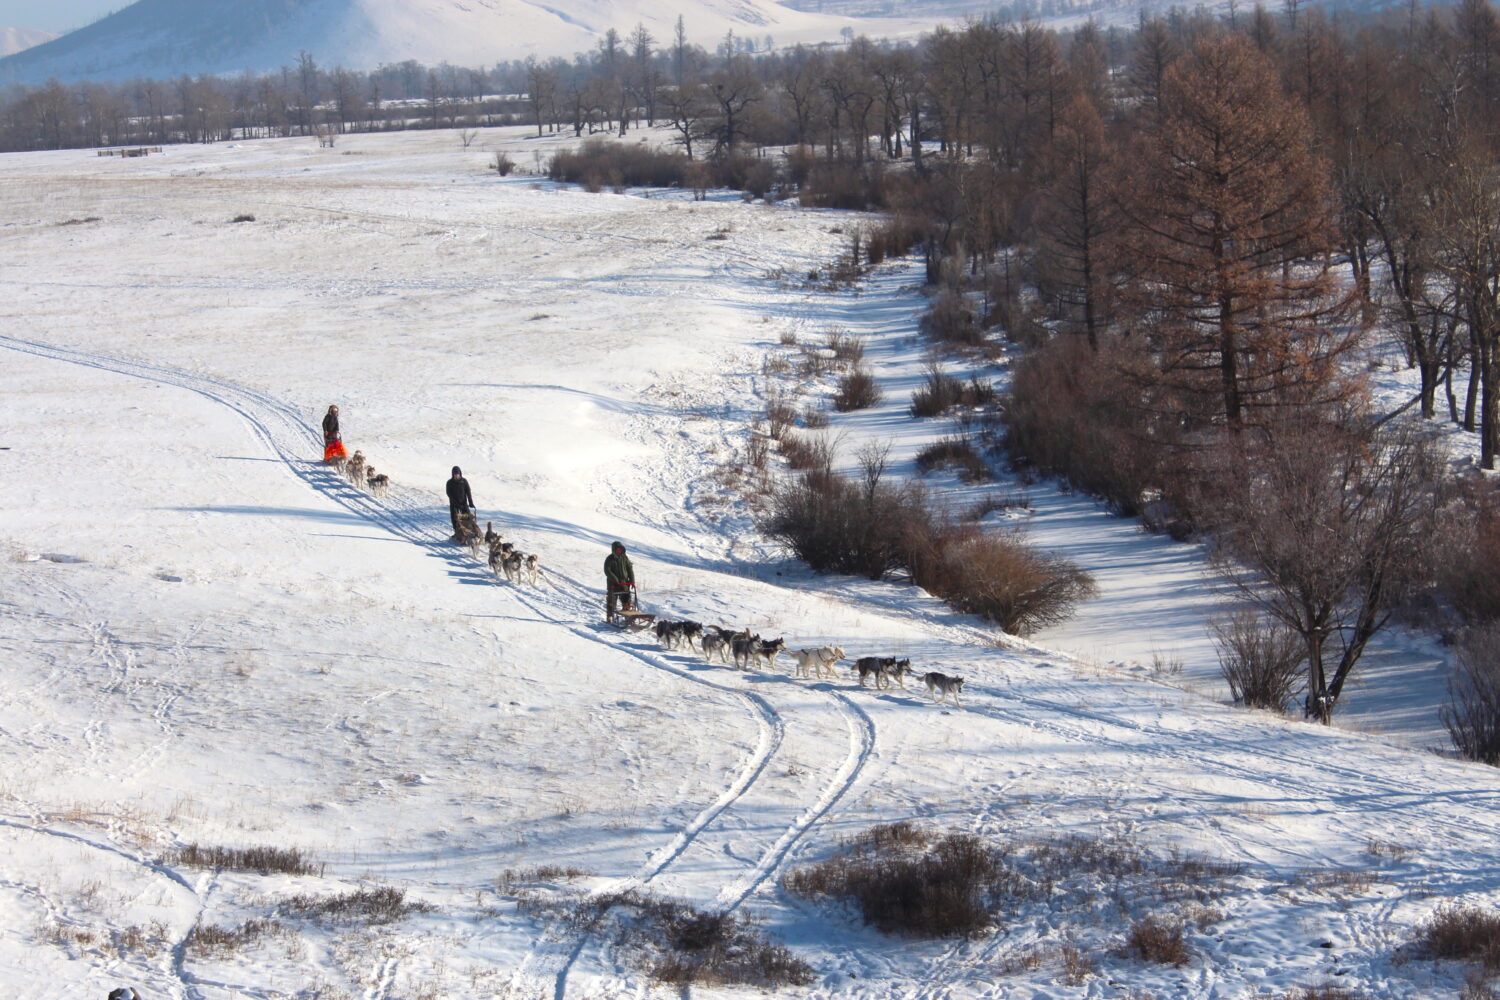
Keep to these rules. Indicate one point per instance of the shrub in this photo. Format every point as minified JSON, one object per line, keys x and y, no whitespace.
{"x":807,"y":453}
{"x":243,"y":217}
{"x":814,"y":419}
{"x":937,"y":395}
{"x":380,"y":905}
{"x":678,"y":944}
{"x":951,"y":320}
{"x":836,"y":525}
{"x":847,"y":348}
{"x":1158,"y":939}
{"x":503,"y":164}
{"x":1472,"y":715}
{"x":1261,"y":661}
{"x":265,"y":860}
{"x":780,"y":416}
{"x":893,"y":238}
{"x":941,"y":392}
{"x":1466,"y":933}
{"x":1071,"y":413}
{"x":954,"y":453}
{"x":212,"y":940}
{"x":1469,"y":565}
{"x":996,"y":576}
{"x":598,"y":163}
{"x":839,"y":184}
{"x":938,"y":892}
{"x":870,"y":528}
{"x":754,"y":175}
{"x":857,"y":390}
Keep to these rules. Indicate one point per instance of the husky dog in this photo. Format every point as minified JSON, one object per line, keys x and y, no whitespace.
{"x":378,"y":484}
{"x":674,"y":634}
{"x":497,"y":556}
{"x":716,"y":642}
{"x":768,"y":651}
{"x":355,"y":469}
{"x":339,"y":462}
{"x":744,"y":648}
{"x":893,"y":671}
{"x":815,"y":661}
{"x":940,"y":686}
{"x":468,"y":531}
{"x":882,"y":668}
{"x":491,"y":536}
{"x":533,"y":569}
{"x":514,"y":560}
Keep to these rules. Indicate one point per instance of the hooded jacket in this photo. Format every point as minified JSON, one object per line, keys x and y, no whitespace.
{"x":458,"y":491}
{"x":618,"y":572}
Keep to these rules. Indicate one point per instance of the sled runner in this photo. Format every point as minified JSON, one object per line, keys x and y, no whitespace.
{"x":633,"y":621}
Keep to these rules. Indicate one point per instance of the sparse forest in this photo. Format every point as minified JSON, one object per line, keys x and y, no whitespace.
{"x":1200,"y":228}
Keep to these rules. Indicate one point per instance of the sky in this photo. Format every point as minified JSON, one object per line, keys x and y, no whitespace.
{"x":55,"y":16}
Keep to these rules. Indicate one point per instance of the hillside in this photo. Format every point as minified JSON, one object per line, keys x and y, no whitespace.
{"x":13,"y":40}
{"x":166,"y":38}
{"x":212,"y":641}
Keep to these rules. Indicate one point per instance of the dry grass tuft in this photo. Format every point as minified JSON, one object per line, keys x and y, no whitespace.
{"x":265,"y":860}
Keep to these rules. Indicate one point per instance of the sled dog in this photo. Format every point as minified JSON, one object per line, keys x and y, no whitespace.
{"x":882,"y":668}
{"x":812,"y":662}
{"x":941,"y":685}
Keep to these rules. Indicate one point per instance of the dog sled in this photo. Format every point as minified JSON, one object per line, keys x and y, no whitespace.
{"x":632,"y":621}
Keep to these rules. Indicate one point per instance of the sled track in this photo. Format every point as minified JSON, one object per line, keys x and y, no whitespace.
{"x":285,"y":433}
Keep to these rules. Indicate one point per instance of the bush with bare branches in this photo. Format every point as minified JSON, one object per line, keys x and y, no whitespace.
{"x":857,"y":390}
{"x":1472,"y":715}
{"x":906,"y":887}
{"x":1261,"y":660}
{"x":1466,"y":933}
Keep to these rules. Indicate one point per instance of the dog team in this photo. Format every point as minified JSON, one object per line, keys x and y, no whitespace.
{"x":353,"y":467}
{"x":517,"y":567}
{"x":504,"y":558}
{"x":748,"y":651}
{"x":360,"y":474}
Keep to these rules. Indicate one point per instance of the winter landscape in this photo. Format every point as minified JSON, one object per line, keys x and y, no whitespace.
{"x":265,"y":733}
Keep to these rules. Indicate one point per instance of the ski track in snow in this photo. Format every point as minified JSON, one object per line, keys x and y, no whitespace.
{"x":284,"y":432}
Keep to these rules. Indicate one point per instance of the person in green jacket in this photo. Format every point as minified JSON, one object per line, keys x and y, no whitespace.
{"x":619,"y":581}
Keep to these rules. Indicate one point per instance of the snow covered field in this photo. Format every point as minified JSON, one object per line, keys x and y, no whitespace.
{"x":210,"y":640}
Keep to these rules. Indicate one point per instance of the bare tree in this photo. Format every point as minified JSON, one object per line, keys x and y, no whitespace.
{"x":1326,"y":529}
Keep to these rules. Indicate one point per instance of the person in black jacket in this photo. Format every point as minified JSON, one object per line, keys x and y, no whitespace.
{"x":460,"y":500}
{"x":333,"y":443}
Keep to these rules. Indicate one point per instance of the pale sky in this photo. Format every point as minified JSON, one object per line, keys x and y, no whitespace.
{"x":55,"y":16}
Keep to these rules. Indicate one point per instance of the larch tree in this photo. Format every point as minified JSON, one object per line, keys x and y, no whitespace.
{"x":1231,"y":238}
{"x":1078,"y":221}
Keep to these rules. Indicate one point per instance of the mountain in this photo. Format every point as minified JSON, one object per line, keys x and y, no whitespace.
{"x":13,"y":40}
{"x":164,"y":38}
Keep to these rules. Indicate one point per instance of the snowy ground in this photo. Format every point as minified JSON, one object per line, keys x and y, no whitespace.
{"x":211,"y":640}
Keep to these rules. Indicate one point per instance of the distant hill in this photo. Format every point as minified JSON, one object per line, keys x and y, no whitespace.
{"x":164,"y":38}
{"x":13,"y":40}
